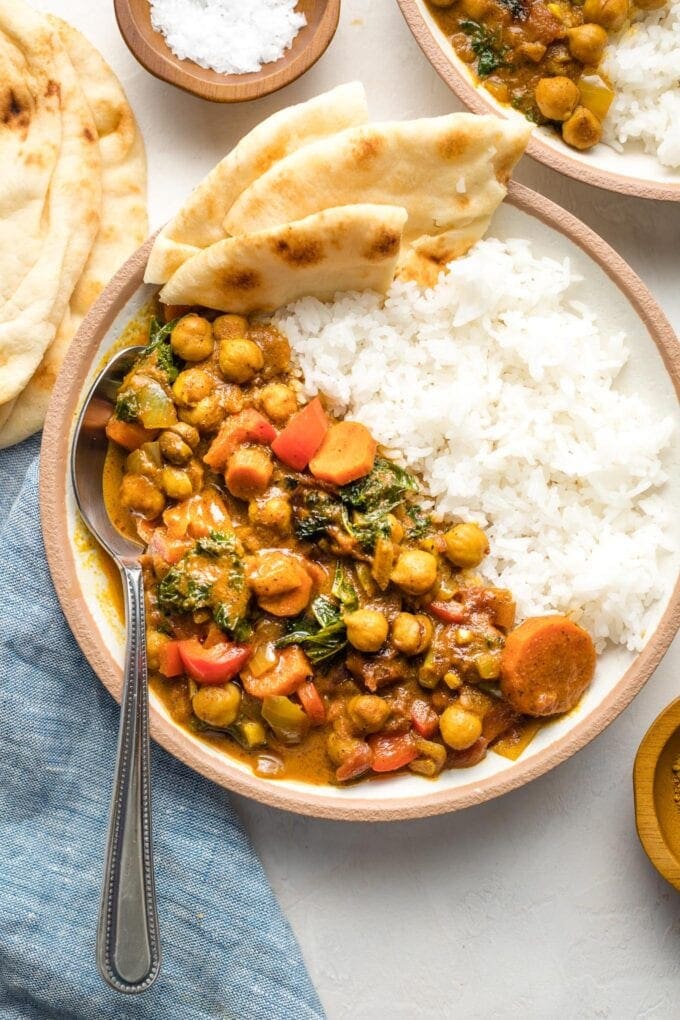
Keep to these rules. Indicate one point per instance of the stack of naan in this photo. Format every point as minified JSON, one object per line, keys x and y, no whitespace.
{"x":316,"y":200}
{"x":72,"y":201}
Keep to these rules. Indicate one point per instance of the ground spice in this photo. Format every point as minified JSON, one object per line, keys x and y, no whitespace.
{"x":228,"y":36}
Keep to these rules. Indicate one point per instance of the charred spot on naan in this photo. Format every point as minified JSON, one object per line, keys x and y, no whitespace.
{"x":15,"y":112}
{"x":455,"y":143}
{"x":384,"y":245}
{"x":299,"y":252}
{"x":367,"y":147}
{"x":242,"y":280}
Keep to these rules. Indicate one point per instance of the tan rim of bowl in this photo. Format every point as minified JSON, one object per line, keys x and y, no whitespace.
{"x":475,"y":99}
{"x":221,"y":769}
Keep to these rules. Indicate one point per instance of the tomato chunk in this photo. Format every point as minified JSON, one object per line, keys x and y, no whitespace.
{"x":355,"y":764}
{"x":449,"y":612}
{"x":246,"y":426}
{"x":302,"y":436}
{"x":392,"y":751}
{"x":424,"y":718}
{"x":169,"y":660}
{"x":311,"y":701}
{"x":213,"y":665}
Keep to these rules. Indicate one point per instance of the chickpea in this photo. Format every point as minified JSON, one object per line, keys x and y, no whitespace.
{"x":240,"y":360}
{"x":192,"y":338}
{"x":611,"y":14}
{"x":459,"y":728}
{"x":278,"y":402}
{"x":415,"y":572}
{"x":140,"y":495}
{"x":230,"y":327}
{"x":366,"y":629}
{"x":154,"y":642}
{"x":272,"y":573}
{"x":195,"y":471}
{"x":556,"y":97}
{"x":412,"y":635}
{"x":249,"y":471}
{"x":176,"y":483}
{"x":587,"y":43}
{"x":466,"y":545}
{"x":191,"y":386}
{"x":206,"y":416}
{"x":368,"y":713}
{"x":217,"y":706}
{"x":582,"y":130}
{"x":186,"y":432}
{"x":274,"y":513}
{"x":174,"y":448}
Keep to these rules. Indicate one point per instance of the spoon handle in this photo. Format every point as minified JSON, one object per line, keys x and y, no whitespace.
{"x":128,"y":946}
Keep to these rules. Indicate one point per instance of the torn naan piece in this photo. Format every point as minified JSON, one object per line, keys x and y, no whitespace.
{"x":36,"y":74}
{"x":350,"y":248}
{"x":198,"y":224}
{"x":449,"y":173}
{"x":123,"y":227}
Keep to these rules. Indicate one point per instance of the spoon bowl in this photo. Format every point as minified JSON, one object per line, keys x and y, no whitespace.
{"x":128,"y":946}
{"x":656,"y":786}
{"x":149,"y":48}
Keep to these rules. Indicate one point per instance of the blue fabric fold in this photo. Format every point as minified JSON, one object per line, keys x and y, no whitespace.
{"x":228,"y":952}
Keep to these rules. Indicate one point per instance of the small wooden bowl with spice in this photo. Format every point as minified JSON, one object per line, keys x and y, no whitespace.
{"x":656,"y":782}
{"x":309,"y":42}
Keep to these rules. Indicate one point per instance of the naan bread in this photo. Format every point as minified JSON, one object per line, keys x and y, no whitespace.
{"x":449,"y":173}
{"x":123,"y":225}
{"x":45,"y":263}
{"x":350,"y":248}
{"x":198,"y":224}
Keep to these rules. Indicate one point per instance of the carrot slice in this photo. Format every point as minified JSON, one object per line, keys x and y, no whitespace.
{"x":169,"y":660}
{"x":128,"y":434}
{"x":546,"y":665}
{"x":347,"y":453}
{"x":302,"y":436}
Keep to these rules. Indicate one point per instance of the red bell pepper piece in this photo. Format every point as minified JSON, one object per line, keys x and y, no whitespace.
{"x":246,"y":426}
{"x":302,"y":436}
{"x":392,"y":751}
{"x":425,"y":719}
{"x":213,"y":665}
{"x":311,"y":701}
{"x":449,"y":612}
{"x":169,"y":660}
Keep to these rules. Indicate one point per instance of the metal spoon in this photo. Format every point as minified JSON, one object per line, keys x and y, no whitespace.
{"x":128,"y":946}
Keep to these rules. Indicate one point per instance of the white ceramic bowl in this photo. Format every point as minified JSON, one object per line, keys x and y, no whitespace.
{"x":654,"y":370}
{"x":632,"y":172}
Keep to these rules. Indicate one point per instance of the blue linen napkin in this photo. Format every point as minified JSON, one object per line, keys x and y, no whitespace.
{"x":228,"y":952}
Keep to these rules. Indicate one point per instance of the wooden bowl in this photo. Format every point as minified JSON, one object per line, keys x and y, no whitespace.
{"x":656,"y":786}
{"x":622,"y":302}
{"x":631,"y":172}
{"x":150,"y":49}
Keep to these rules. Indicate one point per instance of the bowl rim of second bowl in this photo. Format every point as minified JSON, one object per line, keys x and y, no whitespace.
{"x":216,"y":765}
{"x":450,"y":69}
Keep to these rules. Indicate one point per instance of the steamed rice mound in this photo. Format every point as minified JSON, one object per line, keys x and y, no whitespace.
{"x":643,"y":66}
{"x":500,"y":391}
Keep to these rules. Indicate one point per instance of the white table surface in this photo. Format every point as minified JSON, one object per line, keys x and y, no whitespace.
{"x":541,"y":904}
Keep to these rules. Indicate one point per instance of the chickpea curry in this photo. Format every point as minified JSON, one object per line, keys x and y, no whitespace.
{"x":303,"y":609}
{"x":541,"y":58}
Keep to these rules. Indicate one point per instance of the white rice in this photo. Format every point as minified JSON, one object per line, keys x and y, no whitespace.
{"x":229,"y":36}
{"x":643,"y":65}
{"x":500,"y":391}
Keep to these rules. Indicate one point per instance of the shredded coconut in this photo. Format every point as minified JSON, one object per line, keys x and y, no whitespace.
{"x":228,"y":36}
